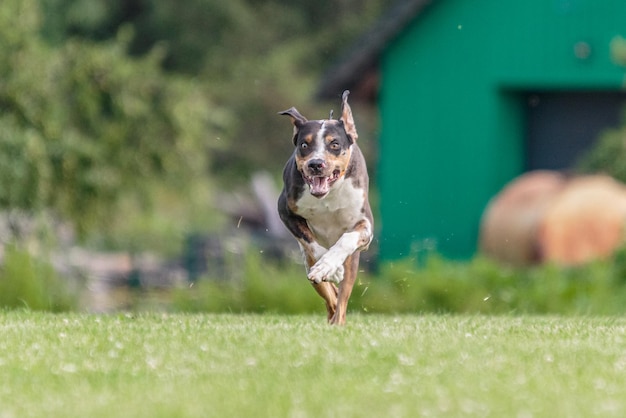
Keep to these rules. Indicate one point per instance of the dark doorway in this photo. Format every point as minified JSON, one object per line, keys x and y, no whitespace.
{"x":563,"y":125}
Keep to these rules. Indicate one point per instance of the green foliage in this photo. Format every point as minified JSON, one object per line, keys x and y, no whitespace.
{"x":483,"y":286}
{"x":26,"y":282}
{"x":273,"y":67}
{"x":163,"y":365}
{"x":254,"y":58}
{"x":209,"y":34}
{"x":608,"y":154}
{"x":440,"y":286}
{"x":125,"y":106}
{"x":165,"y":224}
{"x":84,"y":125}
{"x":257,"y":287}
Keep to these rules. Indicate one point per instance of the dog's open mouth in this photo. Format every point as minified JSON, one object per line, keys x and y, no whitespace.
{"x":320,"y":185}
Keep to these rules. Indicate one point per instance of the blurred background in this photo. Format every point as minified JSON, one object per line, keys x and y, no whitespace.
{"x":141,"y":151}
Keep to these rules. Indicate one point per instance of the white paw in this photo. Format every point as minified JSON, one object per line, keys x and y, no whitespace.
{"x":336,"y":277}
{"x":327,"y":269}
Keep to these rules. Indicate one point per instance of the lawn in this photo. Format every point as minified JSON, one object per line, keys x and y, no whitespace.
{"x":203,"y":365}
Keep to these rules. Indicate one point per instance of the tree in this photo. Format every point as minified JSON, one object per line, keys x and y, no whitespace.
{"x":83,"y":125}
{"x":256,"y":57}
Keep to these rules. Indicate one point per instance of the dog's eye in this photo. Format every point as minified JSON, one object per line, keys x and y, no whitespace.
{"x":334,"y":146}
{"x":304,"y":145}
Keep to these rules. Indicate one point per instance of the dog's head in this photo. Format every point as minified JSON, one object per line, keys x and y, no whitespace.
{"x":323,"y":147}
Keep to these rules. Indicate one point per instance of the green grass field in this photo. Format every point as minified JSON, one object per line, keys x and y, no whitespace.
{"x":178,"y":365}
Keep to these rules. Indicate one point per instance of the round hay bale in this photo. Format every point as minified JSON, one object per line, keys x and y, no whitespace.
{"x":585,"y":221}
{"x":509,"y":224}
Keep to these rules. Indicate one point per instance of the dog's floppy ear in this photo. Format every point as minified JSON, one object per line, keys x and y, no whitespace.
{"x":346,"y":117}
{"x":296,"y":118}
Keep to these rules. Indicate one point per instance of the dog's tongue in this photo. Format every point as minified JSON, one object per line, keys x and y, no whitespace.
{"x":319,"y":186}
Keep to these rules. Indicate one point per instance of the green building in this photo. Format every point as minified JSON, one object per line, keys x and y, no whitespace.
{"x":471,"y":93}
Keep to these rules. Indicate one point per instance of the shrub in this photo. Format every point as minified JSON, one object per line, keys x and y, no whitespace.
{"x":253,"y":285}
{"x":26,"y":282}
{"x":483,"y":286}
{"x":608,"y":154}
{"x":439,"y":286}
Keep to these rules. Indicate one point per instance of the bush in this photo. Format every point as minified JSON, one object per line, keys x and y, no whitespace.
{"x":439,"y":286}
{"x":26,"y":282}
{"x":608,"y":154}
{"x":253,"y":285}
{"x":85,"y":127}
{"x":483,"y":286}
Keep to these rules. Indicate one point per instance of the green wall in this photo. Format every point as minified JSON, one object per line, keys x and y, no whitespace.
{"x":452,"y":107}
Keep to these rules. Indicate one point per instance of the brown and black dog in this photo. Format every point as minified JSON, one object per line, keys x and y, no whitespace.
{"x":324,"y":204}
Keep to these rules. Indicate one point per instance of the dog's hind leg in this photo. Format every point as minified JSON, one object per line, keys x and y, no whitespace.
{"x":351,"y":268}
{"x":328,"y":291}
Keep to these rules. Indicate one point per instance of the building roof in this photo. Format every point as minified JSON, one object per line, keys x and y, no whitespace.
{"x":361,"y":59}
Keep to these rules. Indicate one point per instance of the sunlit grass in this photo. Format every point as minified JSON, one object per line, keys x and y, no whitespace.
{"x":164,"y":365}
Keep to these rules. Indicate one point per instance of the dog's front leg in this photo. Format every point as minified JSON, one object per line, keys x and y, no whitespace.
{"x":330,"y":267}
{"x":312,"y":252}
{"x":329,"y":270}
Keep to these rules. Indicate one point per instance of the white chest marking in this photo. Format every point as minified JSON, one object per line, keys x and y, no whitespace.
{"x":329,"y":218}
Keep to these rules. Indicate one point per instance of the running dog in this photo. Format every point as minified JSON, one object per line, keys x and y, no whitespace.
{"x":324,"y":204}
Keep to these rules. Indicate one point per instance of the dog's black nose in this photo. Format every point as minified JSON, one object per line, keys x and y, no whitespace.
{"x":317,"y":165}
